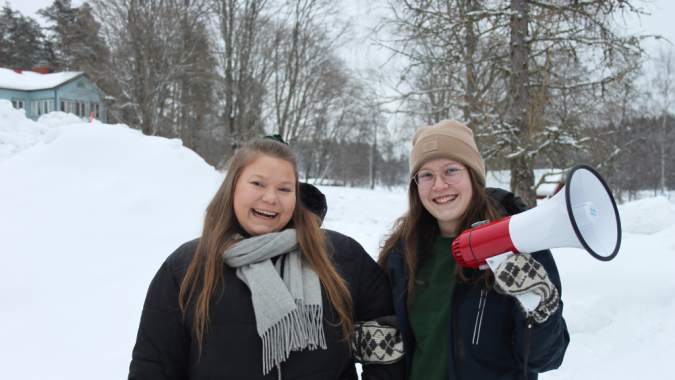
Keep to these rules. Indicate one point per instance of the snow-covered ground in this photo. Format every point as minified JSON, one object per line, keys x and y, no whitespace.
{"x":88,"y":212}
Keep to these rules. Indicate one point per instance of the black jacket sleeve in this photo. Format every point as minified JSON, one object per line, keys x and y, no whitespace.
{"x":163,"y":342}
{"x":372,"y":299}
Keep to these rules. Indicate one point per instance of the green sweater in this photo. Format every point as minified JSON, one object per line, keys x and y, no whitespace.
{"x":429,"y":312}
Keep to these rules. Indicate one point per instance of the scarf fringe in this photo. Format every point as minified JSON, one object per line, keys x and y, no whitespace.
{"x":313,"y":315}
{"x":302,"y":328}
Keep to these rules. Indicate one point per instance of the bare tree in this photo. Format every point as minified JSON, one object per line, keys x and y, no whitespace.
{"x":329,"y":118}
{"x":149,"y":53}
{"x":245,"y":48}
{"x":616,"y":134}
{"x":664,"y":83}
{"x":515,"y":71}
{"x":216,"y":73}
{"x":306,"y":37}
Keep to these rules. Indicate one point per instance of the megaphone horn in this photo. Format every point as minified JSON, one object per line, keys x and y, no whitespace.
{"x":584,"y":215}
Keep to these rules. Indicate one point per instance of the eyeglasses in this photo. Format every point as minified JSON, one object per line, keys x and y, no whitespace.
{"x":426,"y":179}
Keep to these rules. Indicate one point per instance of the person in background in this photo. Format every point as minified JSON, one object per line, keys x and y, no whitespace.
{"x":463,"y":323}
{"x":264,"y":293}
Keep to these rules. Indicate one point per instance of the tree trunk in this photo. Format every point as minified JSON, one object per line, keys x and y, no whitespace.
{"x":663,"y":154}
{"x":292,"y":70}
{"x":373,"y":149}
{"x":370,"y":167}
{"x":227,"y":30}
{"x":470,"y":50}
{"x":201,"y":136}
{"x":522,"y":173}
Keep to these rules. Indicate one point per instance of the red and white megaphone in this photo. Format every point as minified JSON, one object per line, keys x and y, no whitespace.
{"x":584,"y":215}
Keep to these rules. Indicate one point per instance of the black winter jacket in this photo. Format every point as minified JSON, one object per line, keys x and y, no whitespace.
{"x":166,"y":349}
{"x":485,"y":328}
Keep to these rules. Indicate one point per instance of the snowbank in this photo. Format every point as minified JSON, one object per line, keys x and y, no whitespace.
{"x":647,"y":216}
{"x":88,"y":216}
{"x":18,"y":133}
{"x":59,"y":119}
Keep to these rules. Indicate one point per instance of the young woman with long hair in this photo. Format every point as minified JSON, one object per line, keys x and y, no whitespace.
{"x":264,"y":293}
{"x":459,"y":323}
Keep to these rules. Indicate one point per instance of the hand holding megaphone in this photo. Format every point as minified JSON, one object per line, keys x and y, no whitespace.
{"x":582,"y":215}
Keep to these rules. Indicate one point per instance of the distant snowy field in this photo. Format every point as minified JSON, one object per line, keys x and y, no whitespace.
{"x":88,"y":212}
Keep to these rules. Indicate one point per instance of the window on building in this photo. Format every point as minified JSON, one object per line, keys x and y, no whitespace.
{"x":96,"y":109}
{"x":19,"y":104}
{"x":41,"y":107}
{"x":66,"y":105}
{"x":81,"y":109}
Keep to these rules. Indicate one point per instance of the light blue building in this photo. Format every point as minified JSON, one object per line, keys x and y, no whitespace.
{"x":39,"y":93}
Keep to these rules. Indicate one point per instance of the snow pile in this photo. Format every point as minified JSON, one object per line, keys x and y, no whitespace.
{"x":88,"y":216}
{"x":17,"y":133}
{"x":647,"y":216}
{"x":59,"y":119}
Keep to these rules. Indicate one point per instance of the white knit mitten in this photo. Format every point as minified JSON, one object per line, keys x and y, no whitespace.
{"x":520,"y":274}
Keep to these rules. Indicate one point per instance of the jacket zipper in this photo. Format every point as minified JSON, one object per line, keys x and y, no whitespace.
{"x":455,"y":340}
{"x":479,"y":317}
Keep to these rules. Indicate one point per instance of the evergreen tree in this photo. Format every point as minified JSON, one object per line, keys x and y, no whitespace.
{"x":75,"y":37}
{"x":21,"y":40}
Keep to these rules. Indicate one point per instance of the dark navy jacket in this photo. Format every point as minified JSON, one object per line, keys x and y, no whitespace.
{"x":485,"y":328}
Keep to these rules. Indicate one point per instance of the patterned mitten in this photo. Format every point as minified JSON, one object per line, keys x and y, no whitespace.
{"x":377,"y":342}
{"x":520,"y":274}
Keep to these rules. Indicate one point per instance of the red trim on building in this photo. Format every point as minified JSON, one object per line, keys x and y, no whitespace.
{"x":557,"y":189}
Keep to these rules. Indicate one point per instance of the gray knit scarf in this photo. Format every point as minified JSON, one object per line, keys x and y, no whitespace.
{"x":288,"y":311}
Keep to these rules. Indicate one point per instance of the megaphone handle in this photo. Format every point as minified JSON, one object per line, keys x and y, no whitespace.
{"x":529,"y":300}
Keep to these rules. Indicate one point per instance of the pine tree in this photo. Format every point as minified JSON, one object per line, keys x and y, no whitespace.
{"x":21,"y":40}
{"x":75,"y":37}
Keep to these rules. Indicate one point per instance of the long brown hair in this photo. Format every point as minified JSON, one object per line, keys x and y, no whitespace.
{"x":205,"y":272}
{"x":417,"y":229}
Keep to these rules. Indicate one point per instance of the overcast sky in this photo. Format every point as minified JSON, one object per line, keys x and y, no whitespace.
{"x":659,"y":22}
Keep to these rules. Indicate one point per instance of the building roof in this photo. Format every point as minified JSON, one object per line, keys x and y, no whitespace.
{"x":32,"y":81}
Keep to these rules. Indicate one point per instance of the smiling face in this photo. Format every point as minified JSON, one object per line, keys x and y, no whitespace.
{"x":447,"y":203}
{"x":264,"y":196}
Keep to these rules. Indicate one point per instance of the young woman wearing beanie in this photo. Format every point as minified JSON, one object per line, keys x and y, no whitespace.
{"x":264,"y":293}
{"x":459,"y":323}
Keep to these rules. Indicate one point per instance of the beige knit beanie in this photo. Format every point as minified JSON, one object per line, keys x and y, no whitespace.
{"x":447,"y":139}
